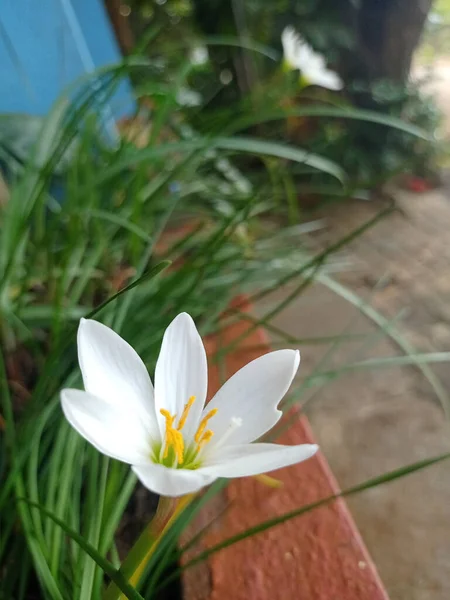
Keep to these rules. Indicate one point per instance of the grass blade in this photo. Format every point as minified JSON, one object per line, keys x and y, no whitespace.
{"x":102,"y":562}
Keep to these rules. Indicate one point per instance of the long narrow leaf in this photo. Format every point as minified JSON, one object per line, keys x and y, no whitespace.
{"x":146,"y":277}
{"x":102,"y":562}
{"x":370,"y":483}
{"x":330,"y":112}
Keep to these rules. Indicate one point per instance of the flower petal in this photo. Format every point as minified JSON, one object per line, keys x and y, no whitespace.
{"x":112,"y":370}
{"x":172,"y":482}
{"x":305,"y":55}
{"x":252,"y":459}
{"x":181,"y":372}
{"x":113,"y":430}
{"x":252,"y":395}
{"x":326,"y":79}
{"x":289,"y":43}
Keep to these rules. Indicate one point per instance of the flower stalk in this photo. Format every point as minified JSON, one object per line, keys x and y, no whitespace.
{"x":136,"y":561}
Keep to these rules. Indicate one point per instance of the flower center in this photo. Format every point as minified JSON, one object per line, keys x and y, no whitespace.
{"x":174,"y":440}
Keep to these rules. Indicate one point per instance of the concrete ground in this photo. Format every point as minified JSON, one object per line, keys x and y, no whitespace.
{"x":373,"y":421}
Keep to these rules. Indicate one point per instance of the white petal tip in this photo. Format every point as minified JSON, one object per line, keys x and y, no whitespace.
{"x":91,"y":326}
{"x":182,"y":319}
{"x":184,"y":315}
{"x":85,"y":327}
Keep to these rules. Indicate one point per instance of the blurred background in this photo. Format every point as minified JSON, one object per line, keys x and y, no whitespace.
{"x":135,"y":132}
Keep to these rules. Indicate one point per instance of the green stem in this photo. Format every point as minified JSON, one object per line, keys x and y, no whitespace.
{"x":303,"y":82}
{"x":133,"y":567}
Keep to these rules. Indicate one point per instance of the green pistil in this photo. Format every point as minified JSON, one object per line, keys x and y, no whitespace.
{"x":191,"y":460}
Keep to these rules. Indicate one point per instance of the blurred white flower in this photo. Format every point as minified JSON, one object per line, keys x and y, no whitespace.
{"x":199,"y":55}
{"x":299,"y":55}
{"x":226,"y":76}
{"x":174,"y":443}
{"x":187,"y":97}
{"x":434,"y":18}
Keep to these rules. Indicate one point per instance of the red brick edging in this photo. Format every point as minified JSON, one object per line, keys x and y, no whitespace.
{"x":317,"y":556}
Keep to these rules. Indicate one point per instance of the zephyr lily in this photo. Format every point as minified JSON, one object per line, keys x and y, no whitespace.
{"x":174,"y":443}
{"x":299,"y":55}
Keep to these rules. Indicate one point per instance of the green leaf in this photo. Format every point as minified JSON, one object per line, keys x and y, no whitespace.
{"x":330,"y":112}
{"x":20,"y":133}
{"x":247,"y":44}
{"x":309,"y":271}
{"x":122,"y":222}
{"x":370,"y":483}
{"x":146,"y":277}
{"x":235,"y":144}
{"x":127,"y":589}
{"x":376,"y":363}
{"x":257,"y":146}
{"x":399,"y":339}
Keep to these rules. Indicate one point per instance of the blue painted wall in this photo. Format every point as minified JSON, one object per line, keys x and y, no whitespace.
{"x":46,"y":44}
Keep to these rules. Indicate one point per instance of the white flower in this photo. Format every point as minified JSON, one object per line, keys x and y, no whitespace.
{"x":174,"y":443}
{"x":199,"y":55}
{"x":299,"y":55}
{"x":187,"y":97}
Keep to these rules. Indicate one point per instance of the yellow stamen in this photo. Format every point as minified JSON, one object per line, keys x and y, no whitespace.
{"x":174,"y":437}
{"x":186,"y":410}
{"x":202,"y":426}
{"x":169,"y":418}
{"x":204,"y":439}
{"x":269,"y":481}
